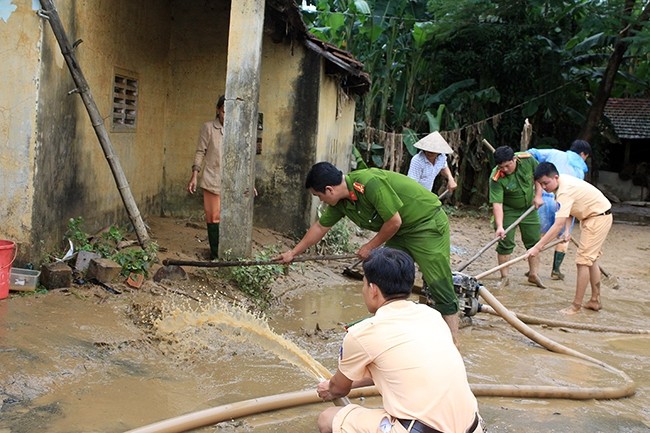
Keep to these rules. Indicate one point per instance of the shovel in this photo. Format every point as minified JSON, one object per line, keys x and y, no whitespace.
{"x":350,"y":272}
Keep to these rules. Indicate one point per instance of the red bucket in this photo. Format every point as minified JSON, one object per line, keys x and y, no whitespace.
{"x":7,"y":257}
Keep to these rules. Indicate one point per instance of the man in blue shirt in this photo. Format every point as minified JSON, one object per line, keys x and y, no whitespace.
{"x":571,"y":162}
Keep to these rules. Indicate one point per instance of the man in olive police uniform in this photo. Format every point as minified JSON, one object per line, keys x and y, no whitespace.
{"x":512,"y":191}
{"x":403,"y":214}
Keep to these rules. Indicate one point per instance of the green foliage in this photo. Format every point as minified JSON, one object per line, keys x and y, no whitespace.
{"x":254,"y":280}
{"x":538,"y":59}
{"x":337,"y":239}
{"x":132,"y":259}
{"x":78,"y":237}
{"x":136,"y":259}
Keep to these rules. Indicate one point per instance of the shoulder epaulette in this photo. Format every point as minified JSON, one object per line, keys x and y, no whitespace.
{"x":498,"y":175}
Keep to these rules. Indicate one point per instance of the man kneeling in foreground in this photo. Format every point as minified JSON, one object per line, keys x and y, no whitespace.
{"x":407,"y":351}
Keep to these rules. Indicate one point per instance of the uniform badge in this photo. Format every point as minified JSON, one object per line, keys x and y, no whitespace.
{"x":359,"y":187}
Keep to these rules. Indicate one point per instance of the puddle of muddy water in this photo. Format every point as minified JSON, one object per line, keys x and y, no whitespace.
{"x":72,"y":365}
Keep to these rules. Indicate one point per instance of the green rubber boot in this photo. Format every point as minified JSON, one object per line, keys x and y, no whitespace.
{"x":558,"y":257}
{"x":213,"y":238}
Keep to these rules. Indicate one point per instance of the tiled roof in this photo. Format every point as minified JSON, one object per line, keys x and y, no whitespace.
{"x":630,"y":117}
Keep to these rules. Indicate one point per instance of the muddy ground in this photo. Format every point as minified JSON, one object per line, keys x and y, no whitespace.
{"x":84,"y":359}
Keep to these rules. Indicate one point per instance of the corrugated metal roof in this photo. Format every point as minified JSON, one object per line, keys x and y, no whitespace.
{"x":630,"y":117}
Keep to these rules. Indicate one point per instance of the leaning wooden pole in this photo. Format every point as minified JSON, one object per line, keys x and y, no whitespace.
{"x":50,"y":13}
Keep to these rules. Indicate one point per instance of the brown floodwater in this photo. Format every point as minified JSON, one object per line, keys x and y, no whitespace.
{"x":71,"y":364}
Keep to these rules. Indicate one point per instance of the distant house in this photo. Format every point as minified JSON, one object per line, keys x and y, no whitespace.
{"x":155,"y":69}
{"x":627,"y":171}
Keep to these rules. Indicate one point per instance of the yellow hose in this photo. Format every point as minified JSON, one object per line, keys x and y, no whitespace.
{"x":230,"y":411}
{"x":239,"y":409}
{"x":532,"y":320}
{"x":625,"y":390}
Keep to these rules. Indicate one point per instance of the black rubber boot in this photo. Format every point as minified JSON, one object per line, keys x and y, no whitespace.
{"x":213,"y":238}
{"x":558,"y":257}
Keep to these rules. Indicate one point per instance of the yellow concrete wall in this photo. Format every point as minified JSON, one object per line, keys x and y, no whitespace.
{"x":335,"y":124}
{"x":289,"y":92}
{"x":73,"y":177}
{"x":197,"y":56}
{"x":51,"y":163}
{"x":130,"y":37}
{"x":335,"y":129}
{"x":20,"y":34}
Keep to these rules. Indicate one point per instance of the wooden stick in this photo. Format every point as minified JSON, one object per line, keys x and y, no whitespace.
{"x":495,"y":240}
{"x":488,"y":145}
{"x":515,"y":260}
{"x":225,"y":263}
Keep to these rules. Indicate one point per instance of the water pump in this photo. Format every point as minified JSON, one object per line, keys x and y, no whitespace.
{"x":466,"y":288}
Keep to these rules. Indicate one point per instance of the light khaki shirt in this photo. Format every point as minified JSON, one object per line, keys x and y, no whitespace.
{"x":208,"y":156}
{"x":578,"y":198}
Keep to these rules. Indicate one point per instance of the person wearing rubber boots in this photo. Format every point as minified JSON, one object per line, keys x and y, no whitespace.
{"x":403,"y":214}
{"x":579,"y":199}
{"x":572,"y":162}
{"x":208,"y":157}
{"x":420,"y":375}
{"x":512,"y":192}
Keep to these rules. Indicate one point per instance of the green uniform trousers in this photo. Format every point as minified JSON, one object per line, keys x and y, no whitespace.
{"x":429,"y":247}
{"x":529,"y":228}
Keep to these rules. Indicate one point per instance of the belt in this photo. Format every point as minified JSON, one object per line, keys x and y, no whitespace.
{"x":415,"y":426}
{"x":607,"y":212}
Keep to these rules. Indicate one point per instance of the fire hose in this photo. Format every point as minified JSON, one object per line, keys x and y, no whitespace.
{"x":287,"y":400}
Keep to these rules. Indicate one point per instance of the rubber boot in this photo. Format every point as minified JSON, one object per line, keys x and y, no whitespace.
{"x":558,"y":257}
{"x":213,"y":238}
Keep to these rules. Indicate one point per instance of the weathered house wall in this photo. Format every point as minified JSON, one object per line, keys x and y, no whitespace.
{"x":73,"y":176}
{"x":197,"y":60}
{"x":53,"y":167}
{"x":290,"y":110}
{"x":20,"y":41}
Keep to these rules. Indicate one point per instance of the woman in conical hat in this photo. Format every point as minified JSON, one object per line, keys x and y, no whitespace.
{"x":430,"y":161}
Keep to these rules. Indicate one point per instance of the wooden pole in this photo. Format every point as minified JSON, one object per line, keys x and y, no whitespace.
{"x":227,"y":263}
{"x":515,"y":260}
{"x":495,"y":240}
{"x":50,"y":13}
{"x":240,"y":128}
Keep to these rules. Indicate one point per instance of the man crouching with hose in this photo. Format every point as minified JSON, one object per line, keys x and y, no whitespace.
{"x":406,"y":350}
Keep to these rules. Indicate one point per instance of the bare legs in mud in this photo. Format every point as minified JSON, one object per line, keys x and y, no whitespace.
{"x":586,"y":275}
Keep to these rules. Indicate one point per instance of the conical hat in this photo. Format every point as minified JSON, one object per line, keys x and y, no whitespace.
{"x":434,"y":143}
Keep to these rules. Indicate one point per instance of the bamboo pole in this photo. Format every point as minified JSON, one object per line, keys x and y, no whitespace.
{"x":495,"y":240}
{"x":50,"y":13}
{"x":226,"y":263}
{"x":515,"y":260}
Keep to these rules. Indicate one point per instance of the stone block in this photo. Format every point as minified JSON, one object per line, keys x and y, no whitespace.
{"x":83,"y":260}
{"x":56,"y":275}
{"x":103,"y":270}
